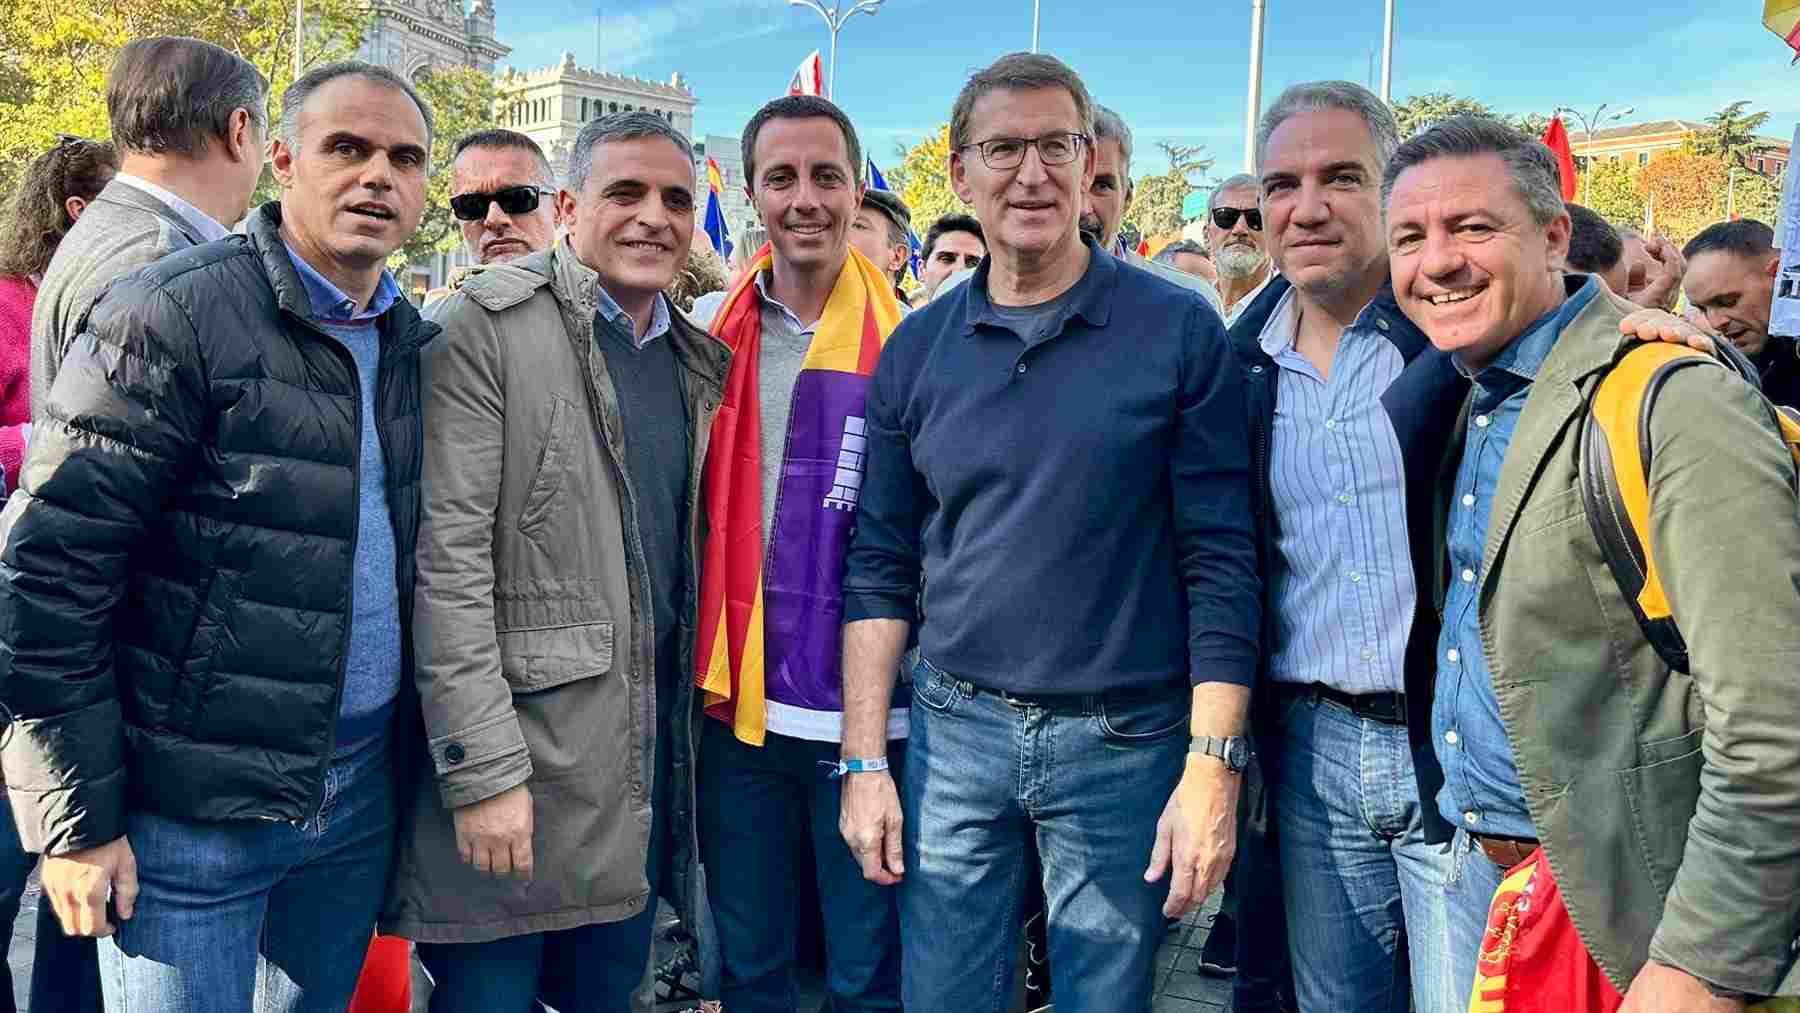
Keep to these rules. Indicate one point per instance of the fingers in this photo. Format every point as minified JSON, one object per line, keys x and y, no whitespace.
{"x":125,"y":887}
{"x":521,"y":858}
{"x":896,"y":860}
{"x":1181,"y":890}
{"x":1159,"y":852}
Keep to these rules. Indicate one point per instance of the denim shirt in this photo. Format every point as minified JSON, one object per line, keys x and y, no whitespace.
{"x":1481,"y":791}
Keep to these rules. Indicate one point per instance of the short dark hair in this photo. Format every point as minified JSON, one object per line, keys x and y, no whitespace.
{"x":1019,"y":72}
{"x":1168,"y":253}
{"x":801,"y":107}
{"x":501,"y":139}
{"x":952,"y":223}
{"x":631,"y":125}
{"x":1745,"y":237}
{"x":168,"y":95}
{"x":294,"y":99}
{"x":1530,"y":167}
{"x":1594,"y":245}
{"x":36,"y":217}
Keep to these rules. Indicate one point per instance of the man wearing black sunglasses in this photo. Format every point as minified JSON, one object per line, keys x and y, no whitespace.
{"x":499,"y":180}
{"x":1234,"y":236}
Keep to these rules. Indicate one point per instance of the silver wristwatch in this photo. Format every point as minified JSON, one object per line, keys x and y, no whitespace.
{"x":1232,"y":750}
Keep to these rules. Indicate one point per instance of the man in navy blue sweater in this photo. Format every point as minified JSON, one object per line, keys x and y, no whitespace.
{"x":1062,"y":445}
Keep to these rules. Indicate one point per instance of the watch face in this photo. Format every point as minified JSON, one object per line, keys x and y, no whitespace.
{"x":1237,"y":754}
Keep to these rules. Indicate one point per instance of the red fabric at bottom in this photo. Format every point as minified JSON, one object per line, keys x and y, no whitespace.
{"x":386,"y":982}
{"x":1532,"y":960}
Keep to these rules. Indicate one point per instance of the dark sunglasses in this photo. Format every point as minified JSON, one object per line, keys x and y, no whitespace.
{"x":1225,"y":218}
{"x":514,"y":200}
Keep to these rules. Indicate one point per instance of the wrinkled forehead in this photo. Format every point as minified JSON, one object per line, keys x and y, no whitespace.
{"x":1025,"y":112}
{"x":1243,"y":198}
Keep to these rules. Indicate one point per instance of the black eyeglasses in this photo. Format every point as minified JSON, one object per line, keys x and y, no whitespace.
{"x":514,"y":200}
{"x":1225,"y":218}
{"x":1009,"y":152}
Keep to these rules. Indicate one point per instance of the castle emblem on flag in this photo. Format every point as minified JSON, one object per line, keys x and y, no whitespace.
{"x":847,"y":484}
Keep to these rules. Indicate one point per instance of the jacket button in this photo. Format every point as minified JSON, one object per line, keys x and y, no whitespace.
{"x":453,"y":753}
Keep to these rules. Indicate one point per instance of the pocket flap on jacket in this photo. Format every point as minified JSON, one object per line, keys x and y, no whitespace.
{"x":539,"y":658}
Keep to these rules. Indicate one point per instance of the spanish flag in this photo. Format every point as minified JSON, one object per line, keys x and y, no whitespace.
{"x":716,"y":229}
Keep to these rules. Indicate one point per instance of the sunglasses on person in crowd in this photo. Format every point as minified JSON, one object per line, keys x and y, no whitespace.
{"x":1225,"y":218}
{"x":514,"y":200}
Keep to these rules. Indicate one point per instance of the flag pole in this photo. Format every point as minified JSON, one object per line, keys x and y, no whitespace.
{"x":1254,"y":108}
{"x":1387,"y":55}
{"x":1034,"y":25}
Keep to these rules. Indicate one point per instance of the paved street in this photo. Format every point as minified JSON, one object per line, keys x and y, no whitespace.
{"x":1181,"y":989}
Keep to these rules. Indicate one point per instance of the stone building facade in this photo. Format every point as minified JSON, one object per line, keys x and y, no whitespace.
{"x":551,"y":104}
{"x":412,"y":36}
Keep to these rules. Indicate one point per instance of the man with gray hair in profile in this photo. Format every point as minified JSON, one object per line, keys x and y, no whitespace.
{"x":565,"y":409}
{"x":1234,"y":235}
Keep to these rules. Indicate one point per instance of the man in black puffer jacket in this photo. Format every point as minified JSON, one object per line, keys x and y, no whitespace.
{"x":207,"y":581}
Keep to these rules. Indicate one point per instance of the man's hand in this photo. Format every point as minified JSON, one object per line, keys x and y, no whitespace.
{"x":1662,"y":282}
{"x":1657,"y":325}
{"x":869,"y":818}
{"x":1197,"y":834}
{"x":494,"y":834}
{"x":79,"y":883}
{"x":1660,"y":988}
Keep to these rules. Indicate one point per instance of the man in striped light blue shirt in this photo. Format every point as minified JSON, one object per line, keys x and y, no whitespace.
{"x":1343,"y":390}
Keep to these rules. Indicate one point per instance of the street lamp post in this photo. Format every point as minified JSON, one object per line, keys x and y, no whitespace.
{"x":835,"y":16}
{"x":1253,"y":108}
{"x":1034,"y":25}
{"x":1588,"y":126}
{"x":1387,"y":54}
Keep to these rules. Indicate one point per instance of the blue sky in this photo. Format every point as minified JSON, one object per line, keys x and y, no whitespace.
{"x":1178,"y":71}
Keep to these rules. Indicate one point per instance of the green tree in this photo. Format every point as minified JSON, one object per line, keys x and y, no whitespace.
{"x":1754,"y":195}
{"x":1685,"y":192}
{"x":54,"y":58}
{"x":1420,"y":111}
{"x":1730,"y":133}
{"x":923,"y":180}
{"x":1530,"y":124}
{"x":1155,"y":206}
{"x":462,"y":102}
{"x":1612,"y":193}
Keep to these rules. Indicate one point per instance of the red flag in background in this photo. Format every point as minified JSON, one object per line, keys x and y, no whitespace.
{"x":1556,"y":137}
{"x":1143,"y":248}
{"x":810,"y":78}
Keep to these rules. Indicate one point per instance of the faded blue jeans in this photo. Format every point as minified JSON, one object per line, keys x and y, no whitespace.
{"x":256,"y":915}
{"x":1088,"y":780}
{"x":1467,"y":897}
{"x":1364,"y":892}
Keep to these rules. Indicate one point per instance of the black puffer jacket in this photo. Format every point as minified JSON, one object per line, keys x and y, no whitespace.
{"x":176,"y":579}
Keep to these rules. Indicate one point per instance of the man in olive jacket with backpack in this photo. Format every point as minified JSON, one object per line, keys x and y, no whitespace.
{"x":1667,"y":802}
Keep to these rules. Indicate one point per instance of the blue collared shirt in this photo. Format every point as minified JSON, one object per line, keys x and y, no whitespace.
{"x":1081,"y":504}
{"x":1481,"y":791}
{"x":1342,"y":581}
{"x":330,"y":303}
{"x":613,"y":313}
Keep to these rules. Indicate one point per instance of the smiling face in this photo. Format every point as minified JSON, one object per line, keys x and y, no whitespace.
{"x":499,"y":237}
{"x":806,"y":192}
{"x":1104,"y":209}
{"x":634,"y":219}
{"x":353,"y":182}
{"x":1028,"y":212}
{"x":953,"y":252}
{"x":1471,"y":267}
{"x":1736,"y":293}
{"x":1321,"y":202}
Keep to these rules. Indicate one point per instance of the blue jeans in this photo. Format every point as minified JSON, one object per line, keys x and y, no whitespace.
{"x":1088,"y":781}
{"x":64,"y":975}
{"x":1364,"y":892}
{"x":1467,"y":896}
{"x":587,"y":969}
{"x":758,"y":807}
{"x":257,"y":915}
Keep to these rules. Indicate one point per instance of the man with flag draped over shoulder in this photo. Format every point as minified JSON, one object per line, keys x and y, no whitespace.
{"x":780,"y":484}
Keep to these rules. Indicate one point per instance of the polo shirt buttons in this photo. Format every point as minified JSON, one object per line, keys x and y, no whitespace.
{"x":1020,"y":368}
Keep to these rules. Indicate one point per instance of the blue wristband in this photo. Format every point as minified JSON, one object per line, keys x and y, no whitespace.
{"x":842,"y":767}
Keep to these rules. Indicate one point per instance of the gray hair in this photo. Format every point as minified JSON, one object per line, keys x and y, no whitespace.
{"x":1314,"y":96}
{"x":294,"y":99}
{"x":1168,"y":253}
{"x":1530,"y":166}
{"x":629,"y":126}
{"x":1241,"y":181}
{"x":1108,"y":126}
{"x":1018,"y":72}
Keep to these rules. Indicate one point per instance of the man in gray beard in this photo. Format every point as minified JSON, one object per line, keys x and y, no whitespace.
{"x":1234,"y":236}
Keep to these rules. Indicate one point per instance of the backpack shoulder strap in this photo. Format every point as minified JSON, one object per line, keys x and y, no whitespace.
{"x":1613,"y":472}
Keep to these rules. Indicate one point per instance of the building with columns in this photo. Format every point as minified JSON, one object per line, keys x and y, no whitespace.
{"x":551,"y":104}
{"x":413,"y":36}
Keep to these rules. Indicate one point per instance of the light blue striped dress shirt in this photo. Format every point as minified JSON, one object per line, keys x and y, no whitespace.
{"x":1343,"y":582}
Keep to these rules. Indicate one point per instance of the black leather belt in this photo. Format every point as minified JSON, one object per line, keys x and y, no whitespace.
{"x":1505,"y":852}
{"x":1386,"y":708}
{"x":1082,"y":703}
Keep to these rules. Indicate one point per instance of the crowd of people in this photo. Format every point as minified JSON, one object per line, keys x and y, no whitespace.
{"x":1050,"y":600}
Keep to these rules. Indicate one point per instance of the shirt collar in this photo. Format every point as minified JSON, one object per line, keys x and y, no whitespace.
{"x":1279,"y":333}
{"x":201,"y":222}
{"x":1526,"y":354}
{"x":762,"y":289}
{"x":613,"y":312}
{"x":1089,"y":299}
{"x":330,"y":303}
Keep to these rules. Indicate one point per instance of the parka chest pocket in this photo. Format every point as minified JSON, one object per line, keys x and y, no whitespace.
{"x":545,"y":643}
{"x":553,"y":458}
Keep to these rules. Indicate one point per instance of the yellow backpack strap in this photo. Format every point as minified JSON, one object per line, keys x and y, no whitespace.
{"x":1614,"y":468}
